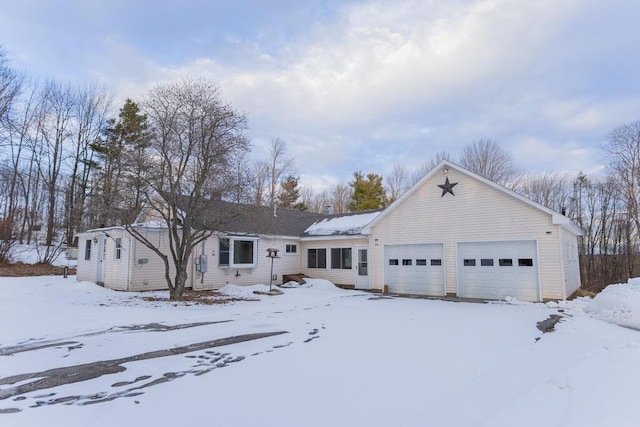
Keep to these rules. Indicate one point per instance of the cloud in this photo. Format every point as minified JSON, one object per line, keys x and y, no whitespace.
{"x":367,"y":84}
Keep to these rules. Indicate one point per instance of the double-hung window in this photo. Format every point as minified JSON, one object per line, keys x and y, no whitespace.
{"x":316,"y":258}
{"x":118,"y":247}
{"x":87,"y":250}
{"x":341,"y":258}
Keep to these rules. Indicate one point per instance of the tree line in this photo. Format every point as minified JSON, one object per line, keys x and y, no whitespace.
{"x":69,"y":164}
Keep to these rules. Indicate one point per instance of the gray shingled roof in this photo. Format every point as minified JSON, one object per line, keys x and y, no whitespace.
{"x":251,"y":219}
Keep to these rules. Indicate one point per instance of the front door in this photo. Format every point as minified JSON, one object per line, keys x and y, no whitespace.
{"x":102,"y":259}
{"x":362,"y":274}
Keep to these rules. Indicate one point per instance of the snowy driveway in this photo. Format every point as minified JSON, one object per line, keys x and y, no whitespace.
{"x":313,"y":356}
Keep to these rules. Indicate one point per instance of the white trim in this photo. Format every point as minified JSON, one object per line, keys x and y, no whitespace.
{"x":537,"y":245}
{"x":333,"y":237}
{"x":235,"y":238}
{"x":556,"y":218}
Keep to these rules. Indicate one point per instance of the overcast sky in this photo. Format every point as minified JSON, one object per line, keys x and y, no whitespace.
{"x":363,"y":85}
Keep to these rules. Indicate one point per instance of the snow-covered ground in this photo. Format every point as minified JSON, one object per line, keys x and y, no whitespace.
{"x":346,"y":358}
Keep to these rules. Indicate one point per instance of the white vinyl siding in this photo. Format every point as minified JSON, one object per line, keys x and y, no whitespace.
{"x":477,"y":212}
{"x":338,"y":276}
{"x":217,"y":277}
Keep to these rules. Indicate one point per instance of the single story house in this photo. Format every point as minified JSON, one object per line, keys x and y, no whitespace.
{"x":452,"y":233}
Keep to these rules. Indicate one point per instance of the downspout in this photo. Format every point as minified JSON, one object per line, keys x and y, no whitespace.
{"x":131,"y":245}
{"x":562,"y":261}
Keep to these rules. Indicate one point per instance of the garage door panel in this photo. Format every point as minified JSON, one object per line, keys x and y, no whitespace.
{"x":514,"y":271}
{"x":419,"y":269}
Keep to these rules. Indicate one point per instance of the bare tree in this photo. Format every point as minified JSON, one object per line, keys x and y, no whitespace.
{"x":397,"y":182}
{"x":260,"y":175}
{"x":243,"y":179}
{"x":10,"y":86}
{"x":54,"y":126}
{"x":195,"y":139}
{"x":428,"y":166}
{"x":340,"y":196}
{"x":485,"y":158}
{"x":623,"y":147}
{"x":550,"y":189}
{"x":278,"y":167}
{"x":91,"y":108}
{"x":315,"y":201}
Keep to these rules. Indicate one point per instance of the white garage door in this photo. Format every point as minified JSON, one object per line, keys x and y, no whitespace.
{"x":414,"y":269}
{"x":494,"y":270}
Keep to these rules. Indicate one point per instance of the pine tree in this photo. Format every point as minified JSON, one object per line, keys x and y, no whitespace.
{"x":122,"y":154}
{"x":368,"y":193}
{"x":290,"y":193}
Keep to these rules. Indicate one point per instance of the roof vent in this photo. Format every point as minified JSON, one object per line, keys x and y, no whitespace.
{"x":328,"y":210}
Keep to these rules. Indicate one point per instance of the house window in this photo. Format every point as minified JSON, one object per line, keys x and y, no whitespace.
{"x":436,"y":262}
{"x":118,"y":247}
{"x":244,"y":253}
{"x":237,"y":253}
{"x":87,"y":250}
{"x":469,"y":262}
{"x":406,"y":262}
{"x":223,"y":250}
{"x":316,"y":258}
{"x":486,"y":262}
{"x":341,"y":258}
{"x":505,"y":262}
{"x":291,"y":249}
{"x":421,"y":262}
{"x":393,"y":262}
{"x":525,"y":262}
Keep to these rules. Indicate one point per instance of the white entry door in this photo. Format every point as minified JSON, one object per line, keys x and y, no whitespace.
{"x":102,"y":259}
{"x":362,"y":269}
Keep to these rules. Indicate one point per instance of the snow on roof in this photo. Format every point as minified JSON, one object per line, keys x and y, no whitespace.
{"x":348,"y":224}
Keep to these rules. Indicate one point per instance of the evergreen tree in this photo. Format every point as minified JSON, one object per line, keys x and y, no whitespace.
{"x":368,"y":193}
{"x":289,"y":194}
{"x":123,"y":158}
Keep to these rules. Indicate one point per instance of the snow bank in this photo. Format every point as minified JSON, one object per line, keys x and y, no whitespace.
{"x":314,"y":286}
{"x":619,"y":304}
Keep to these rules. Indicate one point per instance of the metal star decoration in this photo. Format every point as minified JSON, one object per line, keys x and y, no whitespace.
{"x":447,"y":187}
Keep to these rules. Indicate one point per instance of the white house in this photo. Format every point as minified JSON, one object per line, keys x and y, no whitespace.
{"x":453,"y":233}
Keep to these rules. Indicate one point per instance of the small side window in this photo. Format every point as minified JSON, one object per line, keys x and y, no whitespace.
{"x":505,"y":262}
{"x":406,"y":262}
{"x":486,"y":262}
{"x":393,"y":262}
{"x":436,"y":262}
{"x":421,"y":262}
{"x":469,"y":262}
{"x":525,"y":262}
{"x":291,"y":249}
{"x":87,"y":250}
{"x":118,"y":247}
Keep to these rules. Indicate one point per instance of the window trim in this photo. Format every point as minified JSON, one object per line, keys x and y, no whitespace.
{"x":118,"y":249}
{"x":341,"y":258}
{"x":317,"y":258}
{"x":87,"y":250}
{"x":291,"y":249}
{"x":232,"y":244}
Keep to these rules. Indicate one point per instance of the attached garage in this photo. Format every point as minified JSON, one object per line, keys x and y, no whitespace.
{"x":495,"y":270}
{"x":416,"y":269}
